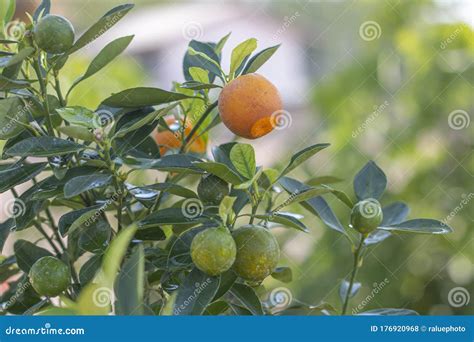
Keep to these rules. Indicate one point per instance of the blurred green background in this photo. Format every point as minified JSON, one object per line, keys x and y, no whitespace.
{"x":390,"y":81}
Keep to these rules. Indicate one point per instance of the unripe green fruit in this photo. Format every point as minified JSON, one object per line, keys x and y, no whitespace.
{"x":54,"y":34}
{"x":366,"y":216}
{"x":49,"y":276}
{"x":258,"y":252}
{"x":95,"y":236}
{"x":213,"y":250}
{"x":211,"y":189}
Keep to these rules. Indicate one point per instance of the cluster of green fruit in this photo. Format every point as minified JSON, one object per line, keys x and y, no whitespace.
{"x":251,"y":250}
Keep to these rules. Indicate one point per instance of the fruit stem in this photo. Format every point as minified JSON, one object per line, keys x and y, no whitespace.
{"x":355,"y":267}
{"x":197,"y":125}
{"x":44,"y":95}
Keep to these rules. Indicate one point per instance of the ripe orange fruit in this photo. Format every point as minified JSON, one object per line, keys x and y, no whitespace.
{"x":246,"y":105}
{"x":169,"y":140}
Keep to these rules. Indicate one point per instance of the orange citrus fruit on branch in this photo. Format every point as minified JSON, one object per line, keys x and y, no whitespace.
{"x":246,"y":106}
{"x":167,"y":139}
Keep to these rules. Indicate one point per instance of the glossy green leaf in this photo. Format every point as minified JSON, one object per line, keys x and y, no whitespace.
{"x":247,"y":297}
{"x":207,"y":62}
{"x":131,"y":283}
{"x":142,"y":97}
{"x":370,"y":182}
{"x":316,"y":205}
{"x":191,"y":60}
{"x":195,"y":293}
{"x":176,"y":163}
{"x":344,"y":288}
{"x":8,"y":84}
{"x":283,"y":274}
{"x":20,"y":56}
{"x":77,"y":132}
{"x":240,"y":52}
{"x":228,"y":279}
{"x":170,"y":216}
{"x":13,"y":117}
{"x":220,"y":170}
{"x":302,"y":156}
{"x":81,"y":184}
{"x":108,"y":20}
{"x":242,"y":157}
{"x":394,"y":213}
{"x":198,"y":85}
{"x":18,"y":173}
{"x":105,"y":56}
{"x":44,"y":146}
{"x":89,"y":269}
{"x":73,"y":220}
{"x":79,"y":116}
{"x":422,"y":226}
{"x":27,"y":253}
{"x":285,"y":220}
{"x":259,"y":59}
{"x":376,"y":236}
{"x":26,"y":217}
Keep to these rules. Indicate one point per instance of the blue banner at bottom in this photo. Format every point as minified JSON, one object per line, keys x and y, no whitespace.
{"x":245,"y":329}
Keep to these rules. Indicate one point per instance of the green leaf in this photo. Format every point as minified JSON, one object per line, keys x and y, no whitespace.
{"x":209,"y":63}
{"x":243,"y":159}
{"x":79,"y":116}
{"x":225,"y":208}
{"x":220,"y":44}
{"x":283,"y":274}
{"x":172,"y":188}
{"x":80,"y":184}
{"x":27,"y":216}
{"x":176,"y":163}
{"x":77,"y":132}
{"x":198,"y":85}
{"x":105,"y":56}
{"x":5,"y":229}
{"x":220,"y":170}
{"x":389,"y":312}
{"x":228,"y":279}
{"x":170,"y":216}
{"x":323,"y":180}
{"x":285,"y":220}
{"x":423,"y":226}
{"x":8,"y":84}
{"x":247,"y":297}
{"x":191,"y":60}
{"x":200,"y":75}
{"x":376,"y":236}
{"x":18,"y":173}
{"x":240,"y":52}
{"x":370,"y":182}
{"x":259,"y":59}
{"x":27,"y":253}
{"x":89,"y":269}
{"x":101,"y":26}
{"x":217,"y":308}
{"x":43,"y":9}
{"x":13,"y":117}
{"x":142,"y":97}
{"x":133,"y":125}
{"x":195,"y":293}
{"x":316,"y":205}
{"x":20,"y":56}
{"x":304,"y":195}
{"x":68,"y":220}
{"x":44,"y":146}
{"x":131,"y":283}
{"x":250,"y":182}
{"x":394,"y":213}
{"x":344,"y":288}
{"x":7,"y":10}
{"x":2,"y":145}
{"x":302,"y":156}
